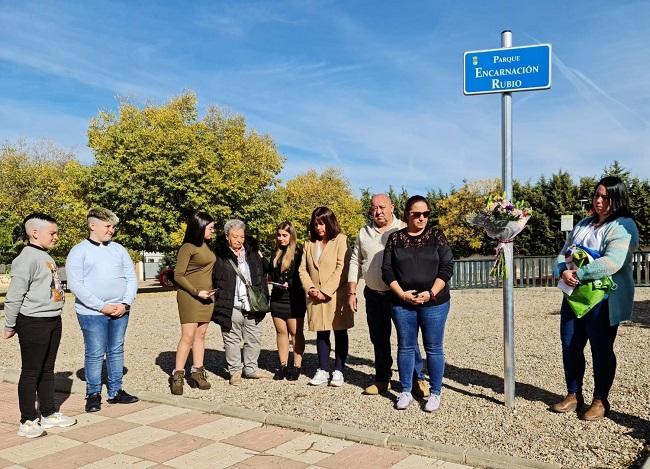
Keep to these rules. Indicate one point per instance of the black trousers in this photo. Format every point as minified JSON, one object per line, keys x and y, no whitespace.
{"x":39,"y":342}
{"x":324,"y":346}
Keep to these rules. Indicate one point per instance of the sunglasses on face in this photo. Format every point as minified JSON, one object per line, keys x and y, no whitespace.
{"x":419,"y":214}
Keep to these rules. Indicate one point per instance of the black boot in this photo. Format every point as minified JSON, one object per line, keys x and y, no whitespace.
{"x":94,"y":402}
{"x":293,"y":374}
{"x":281,"y":373}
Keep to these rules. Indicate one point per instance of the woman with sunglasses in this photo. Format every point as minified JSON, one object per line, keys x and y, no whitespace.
{"x":417,"y":266}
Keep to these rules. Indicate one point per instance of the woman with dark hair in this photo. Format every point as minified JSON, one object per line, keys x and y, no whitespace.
{"x":612,"y":232}
{"x":193,"y":275}
{"x":417,"y":266}
{"x":287,"y":300}
{"x":323,"y":273}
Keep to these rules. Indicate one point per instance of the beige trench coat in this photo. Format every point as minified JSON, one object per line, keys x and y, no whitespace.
{"x":329,"y":275}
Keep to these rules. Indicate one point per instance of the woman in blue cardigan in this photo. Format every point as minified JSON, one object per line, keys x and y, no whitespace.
{"x":612,"y":232}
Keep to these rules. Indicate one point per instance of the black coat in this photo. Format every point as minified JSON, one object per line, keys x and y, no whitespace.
{"x":224,"y":278}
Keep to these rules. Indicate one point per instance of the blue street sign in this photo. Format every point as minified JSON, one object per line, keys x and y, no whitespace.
{"x":510,"y":69}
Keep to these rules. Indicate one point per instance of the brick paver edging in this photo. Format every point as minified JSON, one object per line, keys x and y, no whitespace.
{"x":457,"y":454}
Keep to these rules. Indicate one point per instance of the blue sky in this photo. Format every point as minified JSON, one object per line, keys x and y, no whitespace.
{"x":372,"y":87}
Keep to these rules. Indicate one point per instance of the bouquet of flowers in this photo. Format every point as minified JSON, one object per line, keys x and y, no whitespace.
{"x":502,"y":220}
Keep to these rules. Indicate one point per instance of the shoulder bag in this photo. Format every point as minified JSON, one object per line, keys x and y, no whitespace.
{"x":259,"y":302}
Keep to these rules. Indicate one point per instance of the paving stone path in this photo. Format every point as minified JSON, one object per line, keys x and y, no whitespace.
{"x":146,"y":434}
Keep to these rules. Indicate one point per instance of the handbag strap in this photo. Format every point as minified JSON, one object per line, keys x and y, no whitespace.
{"x":241,"y":276}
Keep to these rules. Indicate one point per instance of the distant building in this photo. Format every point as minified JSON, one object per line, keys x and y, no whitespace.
{"x":152,"y":257}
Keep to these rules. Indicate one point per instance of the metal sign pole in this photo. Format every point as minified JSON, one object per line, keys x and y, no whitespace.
{"x":508,"y":306}
{"x":503,"y":71}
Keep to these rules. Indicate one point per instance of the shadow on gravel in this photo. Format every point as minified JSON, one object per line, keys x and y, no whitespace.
{"x":640,"y":459}
{"x":215,"y":362}
{"x":81,"y":374}
{"x":639,"y":427}
{"x":469,"y":376}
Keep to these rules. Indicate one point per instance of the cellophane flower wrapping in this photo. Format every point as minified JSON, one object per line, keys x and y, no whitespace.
{"x":502,"y":220}
{"x":501,"y":230}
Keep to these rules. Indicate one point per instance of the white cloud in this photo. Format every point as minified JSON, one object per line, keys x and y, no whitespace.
{"x":385,"y":107}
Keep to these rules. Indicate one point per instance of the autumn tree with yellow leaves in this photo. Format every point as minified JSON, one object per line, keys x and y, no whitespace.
{"x":155,"y":165}
{"x":300,"y":195}
{"x":40,"y":178}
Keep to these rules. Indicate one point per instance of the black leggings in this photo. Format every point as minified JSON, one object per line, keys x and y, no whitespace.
{"x":39,"y":340}
{"x":323,"y":347}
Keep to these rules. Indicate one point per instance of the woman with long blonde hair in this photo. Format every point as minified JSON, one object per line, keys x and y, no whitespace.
{"x":288,"y":304}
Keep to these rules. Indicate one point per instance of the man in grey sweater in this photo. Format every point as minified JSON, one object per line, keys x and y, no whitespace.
{"x":33,"y":307}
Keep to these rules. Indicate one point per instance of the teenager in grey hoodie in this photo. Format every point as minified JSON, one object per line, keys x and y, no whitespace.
{"x":33,"y":307}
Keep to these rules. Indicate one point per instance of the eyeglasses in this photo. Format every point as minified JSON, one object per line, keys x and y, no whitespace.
{"x":419,"y":214}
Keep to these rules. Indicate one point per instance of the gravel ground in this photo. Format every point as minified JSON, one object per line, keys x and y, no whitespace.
{"x":472,"y":414}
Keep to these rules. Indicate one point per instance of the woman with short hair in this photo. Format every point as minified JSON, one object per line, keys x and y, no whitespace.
{"x":193,"y":275}
{"x":613,"y":234}
{"x":323,"y":273}
{"x":287,"y":300}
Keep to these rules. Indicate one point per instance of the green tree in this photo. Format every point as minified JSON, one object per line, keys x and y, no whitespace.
{"x":638,"y":195}
{"x":550,"y":199}
{"x":303,"y":193}
{"x":399,"y":200}
{"x":434,"y":198}
{"x":616,"y":169}
{"x":41,"y":178}
{"x":465,"y":239}
{"x":533,"y":239}
{"x":586,"y":187}
{"x":639,"y":199}
{"x":157,"y":164}
{"x":365,"y":200}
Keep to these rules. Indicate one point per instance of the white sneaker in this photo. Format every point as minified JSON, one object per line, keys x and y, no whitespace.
{"x":57,"y":419}
{"x":433,"y":403}
{"x":337,"y":379}
{"x":30,"y":429}
{"x":319,"y":378}
{"x":404,"y":400}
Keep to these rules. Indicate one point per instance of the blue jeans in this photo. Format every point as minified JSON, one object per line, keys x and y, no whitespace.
{"x":378,"y":315}
{"x":431,"y":319}
{"x":103,"y":336}
{"x":574,"y":333}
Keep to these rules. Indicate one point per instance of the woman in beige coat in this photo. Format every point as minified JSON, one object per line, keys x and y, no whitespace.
{"x":323,"y":273}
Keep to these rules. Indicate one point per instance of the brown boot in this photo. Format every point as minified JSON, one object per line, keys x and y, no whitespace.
{"x":199,"y":379}
{"x":176,"y":382}
{"x":569,"y":404}
{"x":378,"y":387}
{"x":598,"y":409}
{"x":235,"y":378}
